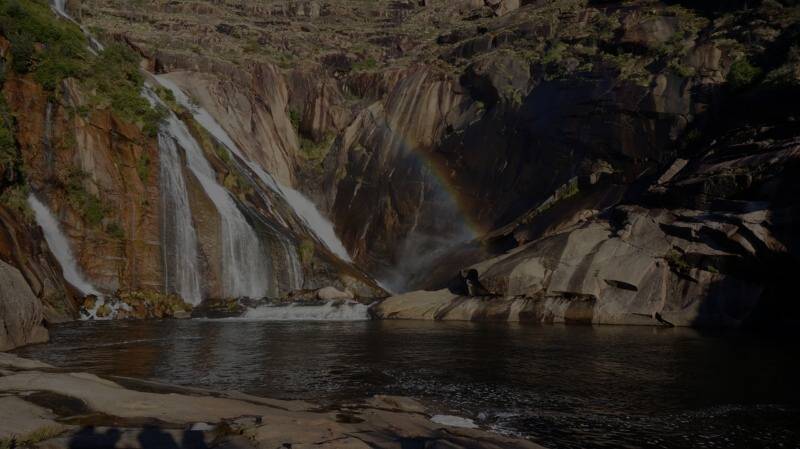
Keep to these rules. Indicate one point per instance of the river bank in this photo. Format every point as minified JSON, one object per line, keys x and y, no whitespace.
{"x":45,"y":407}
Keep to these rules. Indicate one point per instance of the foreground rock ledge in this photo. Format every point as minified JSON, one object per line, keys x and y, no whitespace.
{"x":41,"y":406}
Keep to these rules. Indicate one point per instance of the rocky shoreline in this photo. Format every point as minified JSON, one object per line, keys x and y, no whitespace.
{"x":42,"y":406}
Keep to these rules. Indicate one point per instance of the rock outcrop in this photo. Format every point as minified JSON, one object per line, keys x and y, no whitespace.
{"x":21,"y":314}
{"x":56,"y":409}
{"x":705,"y":243}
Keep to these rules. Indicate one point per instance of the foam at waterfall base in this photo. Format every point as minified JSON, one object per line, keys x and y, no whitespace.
{"x":329,"y":311}
{"x":112,"y":308}
{"x":454,"y":421}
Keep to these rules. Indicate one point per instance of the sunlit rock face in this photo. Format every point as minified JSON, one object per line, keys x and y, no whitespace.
{"x":414,"y":139}
{"x":135,"y":206}
{"x":461,"y":114}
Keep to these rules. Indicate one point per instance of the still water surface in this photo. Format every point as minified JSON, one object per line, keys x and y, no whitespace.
{"x":561,"y":386}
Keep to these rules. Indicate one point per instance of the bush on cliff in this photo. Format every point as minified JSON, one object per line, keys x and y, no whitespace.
{"x":742,"y":74}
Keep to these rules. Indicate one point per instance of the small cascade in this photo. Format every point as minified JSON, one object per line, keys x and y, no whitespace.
{"x":329,"y":311}
{"x":59,"y":246}
{"x":110,"y":308}
{"x":315,"y":221}
{"x":179,"y":239}
{"x":245,"y":267}
{"x":60,"y":8}
{"x":320,"y":226}
{"x":294,"y":267}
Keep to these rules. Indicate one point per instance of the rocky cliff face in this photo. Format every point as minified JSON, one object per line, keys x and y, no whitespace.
{"x":79,"y":134}
{"x":537,"y":141}
{"x":463,"y":114}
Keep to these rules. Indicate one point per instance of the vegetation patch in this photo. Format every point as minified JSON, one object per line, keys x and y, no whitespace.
{"x":9,"y":157}
{"x":306,"y":251}
{"x":15,"y":198}
{"x":742,"y":74}
{"x":677,"y":262}
{"x":53,"y":50}
{"x":115,"y":230}
{"x":365,"y":64}
{"x":87,"y":204}
{"x":143,"y":168}
{"x":37,"y":436}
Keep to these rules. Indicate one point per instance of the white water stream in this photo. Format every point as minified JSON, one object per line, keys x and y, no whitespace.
{"x":245,"y":267}
{"x":59,"y":246}
{"x":179,"y":241}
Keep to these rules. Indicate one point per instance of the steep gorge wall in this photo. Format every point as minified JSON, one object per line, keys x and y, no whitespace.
{"x":508,"y":114}
{"x":99,"y":176}
{"x":97,"y":168}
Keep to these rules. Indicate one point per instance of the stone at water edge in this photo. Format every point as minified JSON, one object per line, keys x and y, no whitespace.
{"x":21,"y":313}
{"x":333,"y":294}
{"x":382,"y":422}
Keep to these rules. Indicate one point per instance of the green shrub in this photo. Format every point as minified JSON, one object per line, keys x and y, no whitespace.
{"x":22,"y":53}
{"x":8,"y":149}
{"x":742,"y":74}
{"x":295,"y":118}
{"x":555,"y":53}
{"x":15,"y":198}
{"x":306,"y":251}
{"x":143,"y":167}
{"x":365,"y":64}
{"x":112,"y":77}
{"x":115,"y":230}
{"x":88,"y":205}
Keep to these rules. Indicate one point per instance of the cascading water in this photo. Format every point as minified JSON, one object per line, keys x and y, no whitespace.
{"x":59,"y":246}
{"x":244,"y":264}
{"x":179,"y":240}
{"x":304,"y":208}
{"x":60,"y":8}
{"x":320,"y":225}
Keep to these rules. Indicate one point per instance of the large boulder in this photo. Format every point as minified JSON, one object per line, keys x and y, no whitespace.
{"x":21,"y":312}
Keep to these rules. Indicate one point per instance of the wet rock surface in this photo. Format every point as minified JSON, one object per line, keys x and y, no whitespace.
{"x":722,"y":257}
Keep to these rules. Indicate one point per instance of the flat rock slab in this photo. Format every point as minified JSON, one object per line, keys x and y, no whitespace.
{"x":19,"y":418}
{"x":50,"y":409}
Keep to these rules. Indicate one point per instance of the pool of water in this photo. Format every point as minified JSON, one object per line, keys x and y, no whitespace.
{"x":561,"y":386}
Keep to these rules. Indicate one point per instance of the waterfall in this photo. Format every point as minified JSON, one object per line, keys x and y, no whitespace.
{"x":60,"y":7}
{"x":321,"y":227}
{"x":294,"y":267}
{"x":244,"y":265}
{"x":59,"y":246}
{"x":179,"y":240}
